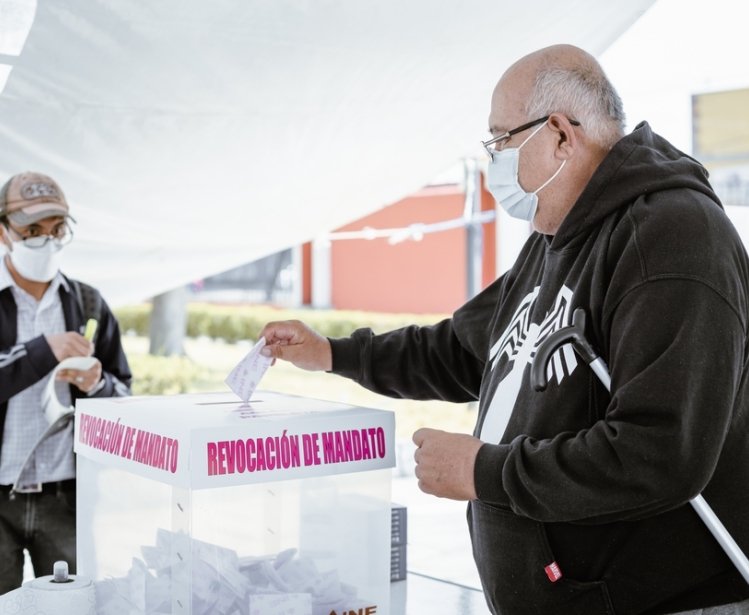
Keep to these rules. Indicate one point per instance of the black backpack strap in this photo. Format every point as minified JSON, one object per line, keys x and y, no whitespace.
{"x":89,"y":300}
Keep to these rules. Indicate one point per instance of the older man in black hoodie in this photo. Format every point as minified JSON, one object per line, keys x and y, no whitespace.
{"x":579,"y":498}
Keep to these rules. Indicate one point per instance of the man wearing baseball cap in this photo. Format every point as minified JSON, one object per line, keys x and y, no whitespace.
{"x":43,"y":315}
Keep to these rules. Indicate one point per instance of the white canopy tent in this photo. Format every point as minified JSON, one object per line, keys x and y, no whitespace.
{"x":191,"y":137}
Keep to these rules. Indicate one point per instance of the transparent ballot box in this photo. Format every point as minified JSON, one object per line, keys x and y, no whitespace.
{"x":198,"y":504}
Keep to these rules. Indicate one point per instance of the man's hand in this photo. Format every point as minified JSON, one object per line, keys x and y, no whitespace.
{"x":85,"y":379}
{"x":293,"y":341}
{"x":444,"y":463}
{"x":70,"y":344}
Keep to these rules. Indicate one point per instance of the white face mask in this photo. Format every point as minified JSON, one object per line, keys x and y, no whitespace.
{"x":504,"y":185}
{"x":36,"y":264}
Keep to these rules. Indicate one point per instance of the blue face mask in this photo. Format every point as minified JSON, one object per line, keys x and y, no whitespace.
{"x":502,"y":181}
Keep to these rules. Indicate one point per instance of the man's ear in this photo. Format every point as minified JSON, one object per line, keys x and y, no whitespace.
{"x":567,"y":140}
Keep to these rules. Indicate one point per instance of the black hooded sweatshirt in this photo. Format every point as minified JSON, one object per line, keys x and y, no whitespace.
{"x":583,"y":496}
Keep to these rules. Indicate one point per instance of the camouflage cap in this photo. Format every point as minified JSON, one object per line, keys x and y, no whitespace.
{"x":29,"y":197}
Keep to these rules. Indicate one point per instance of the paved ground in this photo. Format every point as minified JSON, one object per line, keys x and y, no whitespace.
{"x":438,"y":541}
{"x":442,"y":577}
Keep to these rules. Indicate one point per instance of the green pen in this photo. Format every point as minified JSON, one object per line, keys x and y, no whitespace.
{"x":90,"y":330}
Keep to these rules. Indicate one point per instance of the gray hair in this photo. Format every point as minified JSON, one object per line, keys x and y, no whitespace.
{"x":583,"y":93}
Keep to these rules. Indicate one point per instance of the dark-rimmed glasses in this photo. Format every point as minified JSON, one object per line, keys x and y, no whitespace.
{"x":495,"y":144}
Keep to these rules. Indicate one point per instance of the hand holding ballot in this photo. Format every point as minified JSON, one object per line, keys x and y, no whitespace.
{"x":81,"y":372}
{"x":69,"y":344}
{"x":74,"y":351}
{"x":245,"y":377}
{"x":293,"y":341}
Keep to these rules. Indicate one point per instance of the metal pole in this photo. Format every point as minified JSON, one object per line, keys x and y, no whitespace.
{"x":474,"y":229}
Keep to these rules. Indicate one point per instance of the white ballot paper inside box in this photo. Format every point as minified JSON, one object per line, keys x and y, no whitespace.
{"x":248,"y":373}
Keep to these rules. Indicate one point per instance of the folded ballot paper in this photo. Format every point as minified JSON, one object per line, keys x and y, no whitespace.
{"x":221,"y":583}
{"x":53,"y":409}
{"x":245,"y":377}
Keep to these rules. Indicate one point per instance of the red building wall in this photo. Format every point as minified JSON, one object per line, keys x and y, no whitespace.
{"x":489,"y":259}
{"x":411,"y":276}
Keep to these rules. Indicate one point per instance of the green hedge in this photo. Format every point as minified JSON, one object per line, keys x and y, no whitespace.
{"x":163,"y":375}
{"x":173,"y":375}
{"x":233,"y":323}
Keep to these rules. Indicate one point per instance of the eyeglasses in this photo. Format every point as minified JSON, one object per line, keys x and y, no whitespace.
{"x":495,"y":144}
{"x":34,"y":238}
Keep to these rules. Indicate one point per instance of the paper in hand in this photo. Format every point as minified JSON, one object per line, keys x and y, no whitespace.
{"x":245,"y":377}
{"x":53,"y":409}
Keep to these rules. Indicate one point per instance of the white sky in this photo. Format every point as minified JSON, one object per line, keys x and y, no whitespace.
{"x":679,"y":48}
